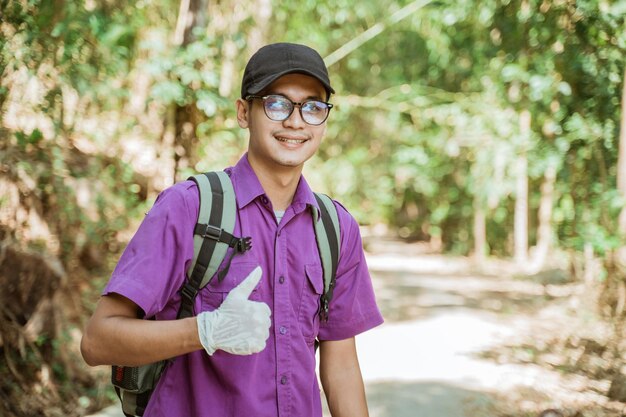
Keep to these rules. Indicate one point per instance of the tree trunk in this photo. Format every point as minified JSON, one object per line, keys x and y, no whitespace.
{"x":192,"y":14}
{"x":229,"y":22}
{"x":616,"y":283}
{"x":480,"y":234}
{"x":621,"y":161}
{"x":258,"y":34}
{"x":227,"y":79}
{"x":544,"y":230}
{"x":521,"y":194}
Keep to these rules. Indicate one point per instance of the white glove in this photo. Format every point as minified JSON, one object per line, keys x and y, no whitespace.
{"x":239,"y":326}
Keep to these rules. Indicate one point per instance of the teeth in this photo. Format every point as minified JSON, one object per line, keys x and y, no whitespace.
{"x":292,"y":141}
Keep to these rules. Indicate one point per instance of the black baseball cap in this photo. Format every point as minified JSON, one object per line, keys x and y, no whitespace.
{"x":275,"y":60}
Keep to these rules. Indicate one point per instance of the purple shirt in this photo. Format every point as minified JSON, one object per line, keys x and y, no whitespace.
{"x":281,"y":380}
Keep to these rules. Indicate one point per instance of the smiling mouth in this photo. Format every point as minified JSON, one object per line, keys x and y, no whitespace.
{"x":291,"y":141}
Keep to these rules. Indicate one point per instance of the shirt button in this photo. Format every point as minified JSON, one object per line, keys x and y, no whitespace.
{"x":283,"y":380}
{"x":281,"y":280}
{"x":283,"y":330}
{"x":264,"y":200}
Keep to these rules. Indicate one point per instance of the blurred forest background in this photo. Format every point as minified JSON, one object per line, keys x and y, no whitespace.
{"x":488,"y":129}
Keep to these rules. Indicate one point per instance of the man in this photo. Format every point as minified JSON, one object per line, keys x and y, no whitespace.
{"x":258,"y":329}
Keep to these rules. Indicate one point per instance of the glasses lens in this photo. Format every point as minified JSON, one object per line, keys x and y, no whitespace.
{"x":314,"y":112}
{"x":278,"y":108}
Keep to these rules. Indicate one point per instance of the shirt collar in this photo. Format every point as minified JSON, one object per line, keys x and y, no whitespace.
{"x":248,"y":187}
{"x":304,"y":197}
{"x":245,"y":182}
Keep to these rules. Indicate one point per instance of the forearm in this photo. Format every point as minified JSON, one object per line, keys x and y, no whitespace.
{"x":132,"y":342}
{"x":341,"y":379}
{"x":115,"y":337}
{"x":346,"y":395}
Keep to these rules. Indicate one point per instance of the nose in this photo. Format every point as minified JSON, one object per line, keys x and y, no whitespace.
{"x":295,"y":120}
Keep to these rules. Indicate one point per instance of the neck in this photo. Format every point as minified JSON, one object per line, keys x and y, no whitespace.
{"x":279,"y":184}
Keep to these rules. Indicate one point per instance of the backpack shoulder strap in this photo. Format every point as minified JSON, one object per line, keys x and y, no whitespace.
{"x":327,"y":234}
{"x":217,"y":213}
{"x":212,"y":234}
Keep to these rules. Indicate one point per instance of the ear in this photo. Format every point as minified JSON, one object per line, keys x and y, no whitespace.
{"x":243,"y":113}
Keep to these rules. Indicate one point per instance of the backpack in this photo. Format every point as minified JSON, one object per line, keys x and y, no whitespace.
{"x":212,"y":238}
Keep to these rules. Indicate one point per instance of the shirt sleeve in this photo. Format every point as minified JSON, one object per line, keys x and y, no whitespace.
{"x":353,"y":308}
{"x":153,"y":266}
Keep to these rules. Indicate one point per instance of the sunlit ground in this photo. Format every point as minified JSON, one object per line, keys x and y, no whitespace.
{"x":437,"y":354}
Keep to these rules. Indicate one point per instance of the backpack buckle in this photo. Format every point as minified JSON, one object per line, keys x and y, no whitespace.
{"x":244,"y":244}
{"x":212,"y":232}
{"x":189,"y":292}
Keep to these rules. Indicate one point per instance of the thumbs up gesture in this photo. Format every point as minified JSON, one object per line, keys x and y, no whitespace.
{"x":239,"y":326}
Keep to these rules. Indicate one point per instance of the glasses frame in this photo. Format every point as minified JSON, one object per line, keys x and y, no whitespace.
{"x":293,"y":104}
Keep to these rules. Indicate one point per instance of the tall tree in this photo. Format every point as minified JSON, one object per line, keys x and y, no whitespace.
{"x":191,"y":26}
{"x":521,"y":192}
{"x":544,"y":219}
{"x":621,"y":161}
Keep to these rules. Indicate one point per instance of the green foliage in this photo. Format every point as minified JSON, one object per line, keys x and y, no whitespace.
{"x":428,"y":107}
{"x":426,"y":129}
{"x":446,"y":100}
{"x":188,"y":75}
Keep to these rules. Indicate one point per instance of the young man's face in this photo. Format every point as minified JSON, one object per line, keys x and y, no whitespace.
{"x":288,"y":144}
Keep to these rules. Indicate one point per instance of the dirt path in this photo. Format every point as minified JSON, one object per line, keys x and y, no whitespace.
{"x":431,"y":358}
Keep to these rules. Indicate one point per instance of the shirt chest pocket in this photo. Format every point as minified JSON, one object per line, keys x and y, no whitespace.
{"x":215,"y":292}
{"x":310,"y":301}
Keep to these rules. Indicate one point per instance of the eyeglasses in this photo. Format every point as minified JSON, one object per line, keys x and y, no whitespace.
{"x":279,"y":108}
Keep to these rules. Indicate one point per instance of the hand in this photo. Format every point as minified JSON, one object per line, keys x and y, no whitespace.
{"x":239,"y":326}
